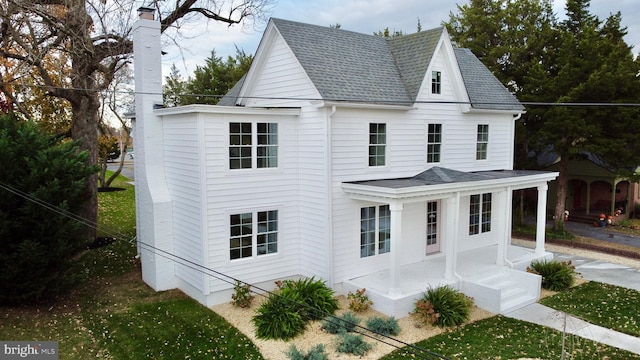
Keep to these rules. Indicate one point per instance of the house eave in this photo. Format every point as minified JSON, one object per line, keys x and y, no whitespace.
{"x":233,"y":110}
{"x":445,"y":190}
{"x":363,"y":105}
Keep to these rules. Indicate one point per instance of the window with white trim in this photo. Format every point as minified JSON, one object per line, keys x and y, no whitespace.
{"x":375,"y":230}
{"x":253,"y":140}
{"x":434,"y":142}
{"x":436,"y":82}
{"x":482,"y":143}
{"x":245,"y":239}
{"x":479,"y":213}
{"x":377,"y":144}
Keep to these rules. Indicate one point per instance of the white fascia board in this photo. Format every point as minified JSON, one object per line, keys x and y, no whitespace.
{"x":356,"y":105}
{"x":441,"y":191}
{"x":231,"y":110}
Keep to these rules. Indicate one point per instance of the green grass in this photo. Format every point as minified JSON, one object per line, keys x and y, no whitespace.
{"x":500,"y":337}
{"x":114,"y":315}
{"x":606,"y":305}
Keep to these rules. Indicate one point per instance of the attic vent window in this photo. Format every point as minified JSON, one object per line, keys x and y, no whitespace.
{"x":436,"y":82}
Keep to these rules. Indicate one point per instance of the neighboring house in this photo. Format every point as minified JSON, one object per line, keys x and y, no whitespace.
{"x":590,"y":191}
{"x":366,"y":162}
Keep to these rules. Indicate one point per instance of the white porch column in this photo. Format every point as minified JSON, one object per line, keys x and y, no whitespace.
{"x":395,"y":208}
{"x":451,"y":236}
{"x":541,"y":218}
{"x":503,"y":225}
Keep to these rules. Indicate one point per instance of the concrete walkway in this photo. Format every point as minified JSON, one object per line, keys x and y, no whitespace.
{"x":593,"y":270}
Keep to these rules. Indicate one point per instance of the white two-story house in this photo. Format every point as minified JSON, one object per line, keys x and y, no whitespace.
{"x":367,"y":162}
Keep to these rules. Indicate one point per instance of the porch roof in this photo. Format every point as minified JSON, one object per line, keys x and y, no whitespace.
{"x":444,"y":182}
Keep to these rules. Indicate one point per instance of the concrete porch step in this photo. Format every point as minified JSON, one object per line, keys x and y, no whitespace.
{"x":504,"y":291}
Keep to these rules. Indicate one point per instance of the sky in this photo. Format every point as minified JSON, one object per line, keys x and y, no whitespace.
{"x":364,"y":16}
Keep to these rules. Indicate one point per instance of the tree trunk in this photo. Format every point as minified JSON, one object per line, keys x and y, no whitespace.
{"x":561,"y":195}
{"x":85,"y":128}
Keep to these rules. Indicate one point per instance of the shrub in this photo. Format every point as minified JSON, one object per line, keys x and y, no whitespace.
{"x":345,"y":323}
{"x":383,"y":326}
{"x":242,"y":296}
{"x":424,"y":313}
{"x":315,"y":298}
{"x":358,"y":301}
{"x":278,"y":318}
{"x":315,"y":353}
{"x":556,"y":275}
{"x":450,"y":306}
{"x":287,"y":310}
{"x":40,"y":244}
{"x":352,"y":344}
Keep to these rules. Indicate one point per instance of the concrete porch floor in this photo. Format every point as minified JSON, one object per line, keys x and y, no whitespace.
{"x":416,"y":278}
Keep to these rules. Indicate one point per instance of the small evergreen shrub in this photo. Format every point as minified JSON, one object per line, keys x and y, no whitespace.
{"x":242,"y":296}
{"x":315,"y":353}
{"x":556,"y":275}
{"x":358,"y":301}
{"x":349,"y":343}
{"x":383,"y":326}
{"x":450,"y":306}
{"x":345,"y":323}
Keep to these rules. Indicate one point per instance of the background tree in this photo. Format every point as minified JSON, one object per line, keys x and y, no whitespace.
{"x":173,"y":88}
{"x":39,"y":241}
{"x":545,"y":61}
{"x":94,"y":35}
{"x":215,"y":78}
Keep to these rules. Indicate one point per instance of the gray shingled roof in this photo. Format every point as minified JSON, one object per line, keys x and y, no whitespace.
{"x":484,"y":89}
{"x":439,"y":175}
{"x":345,"y":65}
{"x":353,"y":67}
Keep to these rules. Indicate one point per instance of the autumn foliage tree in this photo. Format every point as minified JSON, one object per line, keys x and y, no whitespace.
{"x":94,"y":38}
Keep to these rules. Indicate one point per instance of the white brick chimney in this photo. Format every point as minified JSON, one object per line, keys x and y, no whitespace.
{"x":154,"y":220}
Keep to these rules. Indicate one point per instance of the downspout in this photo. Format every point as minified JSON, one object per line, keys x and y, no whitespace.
{"x":329,"y":183}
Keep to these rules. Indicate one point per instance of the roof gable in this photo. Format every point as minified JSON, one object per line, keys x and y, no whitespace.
{"x":346,"y":66}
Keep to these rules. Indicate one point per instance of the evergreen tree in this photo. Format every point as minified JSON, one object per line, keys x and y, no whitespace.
{"x":213,"y":80}
{"x":41,"y":177}
{"x":174,"y":88}
{"x":579,"y":60}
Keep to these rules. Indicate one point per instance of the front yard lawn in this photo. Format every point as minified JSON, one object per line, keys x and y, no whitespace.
{"x":501,"y":337}
{"x":601,"y":304}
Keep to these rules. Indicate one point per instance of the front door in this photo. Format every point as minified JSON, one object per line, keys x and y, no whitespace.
{"x":433,"y":241}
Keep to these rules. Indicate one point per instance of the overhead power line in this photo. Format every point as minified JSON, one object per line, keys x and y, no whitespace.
{"x":338,"y":100}
{"x":385,"y":339}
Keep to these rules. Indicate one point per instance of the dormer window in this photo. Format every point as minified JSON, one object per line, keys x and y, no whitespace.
{"x":436,"y":82}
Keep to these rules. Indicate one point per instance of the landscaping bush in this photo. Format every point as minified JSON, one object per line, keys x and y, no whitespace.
{"x":383,"y":326}
{"x":315,"y":297}
{"x":242,"y":296}
{"x":556,"y":275}
{"x":345,"y":323}
{"x":288,"y":309}
{"x":352,"y":344}
{"x":358,"y":301}
{"x":450,"y":307}
{"x":278,"y":318}
{"x":315,"y":353}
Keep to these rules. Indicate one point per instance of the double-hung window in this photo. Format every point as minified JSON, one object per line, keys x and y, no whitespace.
{"x":436,"y":82}
{"x":377,"y":144}
{"x":253,"y":234}
{"x":434,"y":142}
{"x":482,"y":143}
{"x":375,"y":230}
{"x":253,"y":140}
{"x":480,"y":213}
